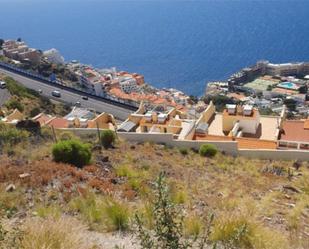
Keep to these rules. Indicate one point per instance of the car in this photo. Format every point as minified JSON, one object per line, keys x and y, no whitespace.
{"x":78,"y":104}
{"x":40,"y":91}
{"x":56,"y":93}
{"x":2,"y":84}
{"x":84,"y":97}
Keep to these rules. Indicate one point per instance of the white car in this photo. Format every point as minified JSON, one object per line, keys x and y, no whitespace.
{"x":56,"y":93}
{"x":2,"y":84}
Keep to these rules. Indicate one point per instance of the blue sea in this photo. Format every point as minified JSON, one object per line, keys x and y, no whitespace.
{"x":180,"y":44}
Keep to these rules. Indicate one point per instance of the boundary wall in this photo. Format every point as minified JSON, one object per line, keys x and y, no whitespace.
{"x":228,"y":147}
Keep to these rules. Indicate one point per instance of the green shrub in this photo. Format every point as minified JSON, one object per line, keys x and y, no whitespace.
{"x":66,"y":136}
{"x":35,"y":111}
{"x":14,"y":104}
{"x":73,"y":152}
{"x":19,"y":90}
{"x":208,"y":150}
{"x":11,"y":135}
{"x":183,"y":151}
{"x":108,"y":137}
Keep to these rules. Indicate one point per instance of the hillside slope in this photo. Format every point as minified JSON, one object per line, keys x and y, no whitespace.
{"x":268,"y":198}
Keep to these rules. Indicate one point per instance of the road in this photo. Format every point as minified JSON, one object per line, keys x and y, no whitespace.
{"x":119,"y":113}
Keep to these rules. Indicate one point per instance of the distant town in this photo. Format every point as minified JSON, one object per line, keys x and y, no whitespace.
{"x":261,"y":111}
{"x":118,"y":85}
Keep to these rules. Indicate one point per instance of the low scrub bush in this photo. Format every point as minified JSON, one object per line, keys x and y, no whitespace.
{"x":193,"y":226}
{"x":183,"y":151}
{"x":208,"y":150}
{"x":108,"y":138}
{"x":64,"y":233}
{"x":168,"y":224}
{"x":11,"y":135}
{"x":90,"y":208}
{"x":101,"y":212}
{"x":180,"y":197}
{"x":14,"y":104}
{"x":72,"y":152}
{"x":35,"y":111}
{"x":233,"y":232}
{"x":117,"y":215}
{"x":237,"y":232}
{"x":45,"y":211}
{"x":19,"y":90}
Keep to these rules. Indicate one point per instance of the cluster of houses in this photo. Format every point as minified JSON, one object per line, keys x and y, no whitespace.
{"x":77,"y":118}
{"x":120,"y":86}
{"x":242,"y":124}
{"x":268,"y":86}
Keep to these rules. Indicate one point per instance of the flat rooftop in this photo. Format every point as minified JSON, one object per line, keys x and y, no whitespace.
{"x":294,"y":130}
{"x":265,"y":131}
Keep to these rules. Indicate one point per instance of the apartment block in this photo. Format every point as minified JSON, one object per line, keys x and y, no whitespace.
{"x":20,"y":51}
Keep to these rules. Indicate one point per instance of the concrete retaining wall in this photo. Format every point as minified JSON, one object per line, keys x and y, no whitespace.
{"x":275,"y":154}
{"x":229,"y":147}
{"x":167,"y":138}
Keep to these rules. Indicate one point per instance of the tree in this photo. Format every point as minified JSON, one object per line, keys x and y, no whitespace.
{"x":303,"y":89}
{"x":73,"y":152}
{"x":193,"y":98}
{"x":29,"y":125}
{"x":290,"y":104}
{"x":168,"y":232}
{"x":19,"y":39}
{"x":108,"y":138}
{"x":220,"y":101}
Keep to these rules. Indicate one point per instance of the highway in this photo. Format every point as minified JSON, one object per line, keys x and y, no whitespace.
{"x":119,"y":113}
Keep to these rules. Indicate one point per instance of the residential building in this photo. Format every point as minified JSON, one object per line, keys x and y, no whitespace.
{"x":53,"y":56}
{"x":128,"y":85}
{"x":13,"y":117}
{"x":20,"y":51}
{"x":159,"y":120}
{"x":78,"y":118}
{"x":243,"y":124}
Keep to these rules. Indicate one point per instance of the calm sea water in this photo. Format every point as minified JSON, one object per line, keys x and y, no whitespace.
{"x":179,"y":44}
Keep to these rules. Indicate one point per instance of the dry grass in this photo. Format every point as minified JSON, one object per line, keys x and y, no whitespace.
{"x":50,"y":233}
{"x":249,"y":191}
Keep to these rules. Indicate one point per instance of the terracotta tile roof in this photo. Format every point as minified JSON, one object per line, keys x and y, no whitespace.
{"x":43,"y":119}
{"x":244,"y":143}
{"x":58,"y":123}
{"x":294,"y":130}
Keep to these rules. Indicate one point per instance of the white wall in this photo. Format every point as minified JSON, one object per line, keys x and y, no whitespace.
{"x":229,"y":147}
{"x":276,"y":154}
